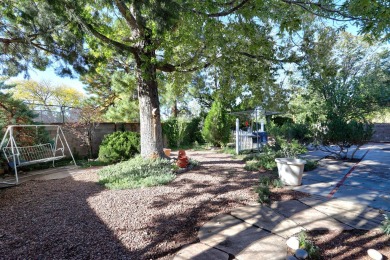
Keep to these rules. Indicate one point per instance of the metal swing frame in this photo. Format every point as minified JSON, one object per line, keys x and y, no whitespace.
{"x":18,"y":156}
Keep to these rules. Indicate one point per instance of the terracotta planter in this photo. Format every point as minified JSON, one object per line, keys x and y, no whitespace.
{"x":290,"y":170}
{"x":167,"y":151}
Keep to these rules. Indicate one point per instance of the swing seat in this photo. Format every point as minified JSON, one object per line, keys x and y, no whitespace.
{"x":32,"y":154}
{"x":17,"y":156}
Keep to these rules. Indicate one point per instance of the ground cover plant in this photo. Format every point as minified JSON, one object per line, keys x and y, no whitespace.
{"x":137,"y":172}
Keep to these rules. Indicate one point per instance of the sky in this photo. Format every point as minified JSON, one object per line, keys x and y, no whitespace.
{"x":49,"y":75}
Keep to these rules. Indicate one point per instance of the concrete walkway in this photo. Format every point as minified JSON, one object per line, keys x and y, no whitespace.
{"x":260,"y":232}
{"x":345,"y":196}
{"x":366,"y":182}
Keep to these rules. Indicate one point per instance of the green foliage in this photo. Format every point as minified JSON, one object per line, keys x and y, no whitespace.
{"x":137,"y":173}
{"x":291,"y":149}
{"x":216,"y":129}
{"x":310,"y":165}
{"x":306,"y":244}
{"x":263,"y":188}
{"x":337,"y":131}
{"x":290,"y":131}
{"x":181,"y":132}
{"x":119,"y":146}
{"x":263,"y":192}
{"x":386,"y":224}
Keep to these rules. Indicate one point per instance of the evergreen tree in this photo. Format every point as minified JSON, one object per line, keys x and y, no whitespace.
{"x":216,"y":129}
{"x":164,"y":35}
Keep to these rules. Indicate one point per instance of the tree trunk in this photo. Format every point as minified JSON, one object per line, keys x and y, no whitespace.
{"x":174,"y":110}
{"x":149,"y":107}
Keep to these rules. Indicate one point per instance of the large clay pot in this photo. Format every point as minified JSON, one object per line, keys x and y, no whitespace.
{"x":167,"y":151}
{"x":290,"y":170}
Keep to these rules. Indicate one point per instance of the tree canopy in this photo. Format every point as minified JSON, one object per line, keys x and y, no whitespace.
{"x":145,"y":37}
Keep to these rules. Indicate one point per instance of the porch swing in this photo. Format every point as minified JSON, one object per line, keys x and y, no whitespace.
{"x":18,"y":156}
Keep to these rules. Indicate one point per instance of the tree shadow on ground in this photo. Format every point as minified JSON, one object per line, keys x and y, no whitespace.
{"x":52,"y":220}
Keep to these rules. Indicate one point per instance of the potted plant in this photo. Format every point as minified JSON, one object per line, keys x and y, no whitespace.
{"x":290,"y":168}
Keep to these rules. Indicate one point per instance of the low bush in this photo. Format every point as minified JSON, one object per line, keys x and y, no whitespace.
{"x":264,"y":160}
{"x":306,"y":244}
{"x":263,"y":189}
{"x":310,"y":165}
{"x":119,"y":146}
{"x":386,"y":224}
{"x":137,"y":172}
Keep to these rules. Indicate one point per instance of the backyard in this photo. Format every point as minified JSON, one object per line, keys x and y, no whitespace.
{"x":75,"y":217}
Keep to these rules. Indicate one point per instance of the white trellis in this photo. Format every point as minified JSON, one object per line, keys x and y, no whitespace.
{"x":17,"y":155}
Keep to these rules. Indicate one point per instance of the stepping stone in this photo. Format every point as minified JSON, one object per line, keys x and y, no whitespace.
{"x":267,"y":219}
{"x":200,"y":251}
{"x":307,"y":217}
{"x":271,"y":247}
{"x":242,"y":240}
{"x":356,"y":215}
{"x":320,"y":188}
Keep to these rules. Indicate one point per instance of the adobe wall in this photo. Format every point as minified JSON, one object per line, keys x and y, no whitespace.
{"x":76,"y":144}
{"x":381,"y":133}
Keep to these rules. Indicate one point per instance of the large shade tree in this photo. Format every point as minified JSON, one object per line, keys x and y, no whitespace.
{"x":163,"y":35}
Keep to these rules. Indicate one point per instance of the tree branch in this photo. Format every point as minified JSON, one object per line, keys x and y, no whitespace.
{"x":252,"y":56}
{"x":224,"y":13}
{"x":130,"y":20}
{"x":102,"y":37}
{"x":304,"y":4}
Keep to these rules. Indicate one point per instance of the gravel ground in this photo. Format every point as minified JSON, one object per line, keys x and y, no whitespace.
{"x":75,"y":218}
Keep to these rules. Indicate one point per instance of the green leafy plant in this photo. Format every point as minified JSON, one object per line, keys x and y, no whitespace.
{"x":291,"y":149}
{"x":216,"y":129}
{"x":119,"y":146}
{"x":263,"y":192}
{"x":263,"y":188}
{"x":306,"y":244}
{"x":137,"y":172}
{"x":180,"y":132}
{"x":277,"y":183}
{"x":386,"y":224}
{"x":343,"y":134}
{"x":310,"y":165}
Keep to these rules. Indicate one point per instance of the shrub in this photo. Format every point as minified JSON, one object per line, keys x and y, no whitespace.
{"x":310,"y":165}
{"x":179,"y":131}
{"x":216,"y":129}
{"x":342,"y":133}
{"x":263,"y":189}
{"x":170,"y":131}
{"x":386,"y":224}
{"x":136,"y":173}
{"x":311,"y":249}
{"x":291,"y":149}
{"x":290,"y":131}
{"x":263,"y":192}
{"x":119,"y":146}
